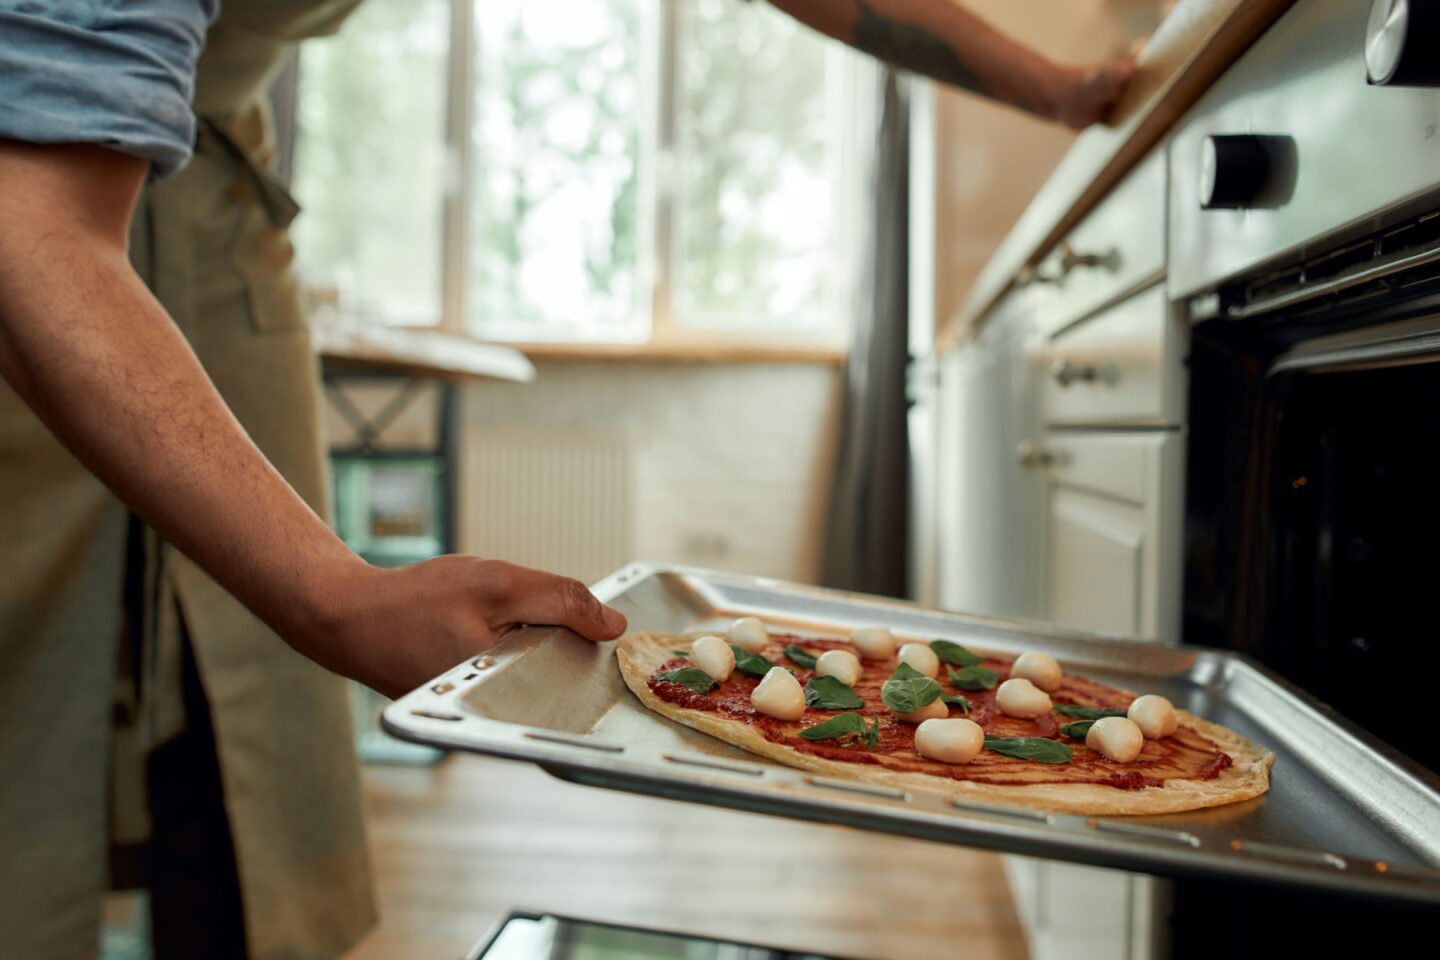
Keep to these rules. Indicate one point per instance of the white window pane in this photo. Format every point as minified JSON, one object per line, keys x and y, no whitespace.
{"x":557,"y":176}
{"x":370,"y":162}
{"x":755,"y":219}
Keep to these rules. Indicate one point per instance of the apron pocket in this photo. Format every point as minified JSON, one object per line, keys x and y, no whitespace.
{"x":264,"y":258}
{"x":261,"y":250}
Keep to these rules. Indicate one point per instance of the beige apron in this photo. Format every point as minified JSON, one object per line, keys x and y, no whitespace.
{"x":211,"y":243}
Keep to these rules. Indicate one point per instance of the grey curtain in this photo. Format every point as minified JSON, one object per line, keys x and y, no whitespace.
{"x":867,"y":527}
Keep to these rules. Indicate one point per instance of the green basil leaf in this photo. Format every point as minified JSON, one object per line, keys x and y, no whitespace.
{"x":1087,"y":713}
{"x":955,"y":700}
{"x":697,"y":680}
{"x":903,"y":671}
{"x":681,"y":653}
{"x":954,"y":653}
{"x":1030,"y":748}
{"x":973,"y":678}
{"x":801,"y":658}
{"x":1078,"y":729}
{"x":908,"y":690}
{"x":751,"y":663}
{"x":929,"y":691}
{"x":829,"y":693}
{"x":845,"y":725}
{"x":872,"y":736}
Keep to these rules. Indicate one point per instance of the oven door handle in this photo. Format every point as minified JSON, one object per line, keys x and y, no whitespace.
{"x":1377,"y":271}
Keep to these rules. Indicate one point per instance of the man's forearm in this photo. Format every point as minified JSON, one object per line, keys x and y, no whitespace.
{"x":97,"y":358}
{"x":913,"y":46}
{"x":944,"y":41}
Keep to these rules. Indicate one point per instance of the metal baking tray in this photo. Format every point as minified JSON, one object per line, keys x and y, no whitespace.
{"x":1344,"y":812}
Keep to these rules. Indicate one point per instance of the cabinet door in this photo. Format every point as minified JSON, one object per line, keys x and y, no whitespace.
{"x":988,"y":510}
{"x":1124,"y":366}
{"x":1113,"y":513}
{"x":923,"y":427}
{"x":1071,"y":912}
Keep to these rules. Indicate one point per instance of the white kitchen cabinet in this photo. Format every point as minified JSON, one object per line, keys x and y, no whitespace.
{"x":989,"y":510}
{"x":1071,"y":912}
{"x":1119,"y":247}
{"x":923,"y":430}
{"x":1113,"y":522}
{"x":1110,"y":447}
{"x":1123,"y":366}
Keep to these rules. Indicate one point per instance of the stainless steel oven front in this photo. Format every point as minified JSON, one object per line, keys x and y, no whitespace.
{"x":1304,"y":244}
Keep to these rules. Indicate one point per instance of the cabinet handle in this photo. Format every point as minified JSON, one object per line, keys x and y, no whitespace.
{"x":1031,"y":455}
{"x":1069,"y":259}
{"x":1065,"y":373}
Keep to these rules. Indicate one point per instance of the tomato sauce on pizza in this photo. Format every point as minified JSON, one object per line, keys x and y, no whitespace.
{"x":1186,"y":754}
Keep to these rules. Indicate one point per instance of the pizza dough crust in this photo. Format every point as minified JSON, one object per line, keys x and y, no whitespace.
{"x":641,"y":654}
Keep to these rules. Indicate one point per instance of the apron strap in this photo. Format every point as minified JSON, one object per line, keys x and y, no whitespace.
{"x":279,"y":206}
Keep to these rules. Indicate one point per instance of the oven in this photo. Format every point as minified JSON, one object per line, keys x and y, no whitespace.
{"x":1304,"y":246}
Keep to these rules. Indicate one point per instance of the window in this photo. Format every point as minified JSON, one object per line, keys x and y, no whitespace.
{"x":370,"y":165}
{"x":582,"y":170}
{"x":556,"y":165}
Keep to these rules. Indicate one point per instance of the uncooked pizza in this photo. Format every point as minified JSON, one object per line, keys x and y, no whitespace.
{"x":940,"y":716}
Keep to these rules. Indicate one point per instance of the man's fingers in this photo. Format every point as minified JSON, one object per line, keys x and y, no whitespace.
{"x":587,"y":616}
{"x":541,"y":597}
{"x":1108,"y":79}
{"x":1121,"y":72}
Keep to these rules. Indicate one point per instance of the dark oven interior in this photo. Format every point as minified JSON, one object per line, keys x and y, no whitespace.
{"x":1313,"y":501}
{"x":1351,"y":526}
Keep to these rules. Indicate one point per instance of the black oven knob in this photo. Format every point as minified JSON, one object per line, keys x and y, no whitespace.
{"x":1401,"y":43}
{"x":1233,"y":170}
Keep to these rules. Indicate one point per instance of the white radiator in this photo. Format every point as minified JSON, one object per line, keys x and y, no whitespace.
{"x":559,"y":501}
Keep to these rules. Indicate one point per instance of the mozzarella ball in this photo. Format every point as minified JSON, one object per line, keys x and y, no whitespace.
{"x":840,"y":664}
{"x":1115,"y":738}
{"x":749,"y":633}
{"x":1154,"y":715}
{"x":922,"y":658}
{"x":779,"y":695}
{"x":714,"y":656}
{"x":1040,"y":669}
{"x":1018,"y":697}
{"x":874,"y":643}
{"x":934,"y":710}
{"x":949,"y":741}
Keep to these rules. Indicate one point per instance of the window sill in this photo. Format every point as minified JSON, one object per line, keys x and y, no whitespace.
{"x":718,"y":350}
{"x":429,"y":352}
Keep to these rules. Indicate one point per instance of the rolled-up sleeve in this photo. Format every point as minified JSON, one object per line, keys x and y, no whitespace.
{"x":118,"y":74}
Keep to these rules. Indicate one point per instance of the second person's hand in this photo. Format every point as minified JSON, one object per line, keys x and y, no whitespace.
{"x":1084,"y":95}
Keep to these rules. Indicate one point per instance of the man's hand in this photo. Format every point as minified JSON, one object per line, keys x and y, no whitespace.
{"x":96,"y":357}
{"x":395,"y":629}
{"x":1083,"y":95}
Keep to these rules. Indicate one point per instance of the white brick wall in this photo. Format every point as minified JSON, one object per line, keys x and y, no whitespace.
{"x":730,"y":462}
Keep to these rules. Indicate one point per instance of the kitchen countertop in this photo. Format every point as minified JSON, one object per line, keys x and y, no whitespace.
{"x":421,"y":352}
{"x":1194,"y":45}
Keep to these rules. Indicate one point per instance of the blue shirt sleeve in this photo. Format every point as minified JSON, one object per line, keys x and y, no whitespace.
{"x":119,"y":73}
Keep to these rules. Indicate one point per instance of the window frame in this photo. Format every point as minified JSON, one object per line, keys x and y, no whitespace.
{"x":658,"y":255}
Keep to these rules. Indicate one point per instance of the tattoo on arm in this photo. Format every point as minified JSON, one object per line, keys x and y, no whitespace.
{"x":910,"y":46}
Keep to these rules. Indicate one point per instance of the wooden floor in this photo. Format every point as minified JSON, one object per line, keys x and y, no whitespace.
{"x":458,"y":846}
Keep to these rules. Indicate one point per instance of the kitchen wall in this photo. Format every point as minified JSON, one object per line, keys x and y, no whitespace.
{"x":602,"y":462}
